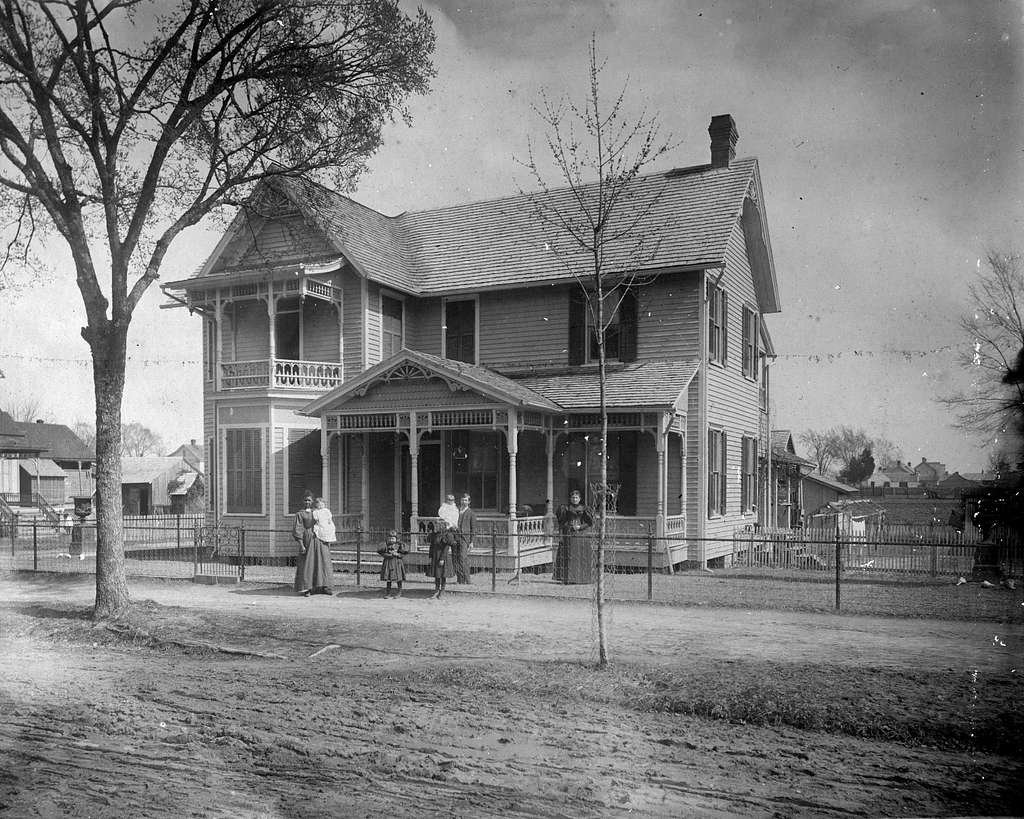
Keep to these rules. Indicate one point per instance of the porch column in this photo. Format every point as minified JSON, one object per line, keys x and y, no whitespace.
{"x":364,"y":482}
{"x":325,"y":461}
{"x":414,"y":472}
{"x":271,"y":320}
{"x":549,"y":513}
{"x":512,"y":443}
{"x":218,"y":312}
{"x":661,"y":444}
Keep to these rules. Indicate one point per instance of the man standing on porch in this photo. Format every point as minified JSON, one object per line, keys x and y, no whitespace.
{"x":464,"y":542}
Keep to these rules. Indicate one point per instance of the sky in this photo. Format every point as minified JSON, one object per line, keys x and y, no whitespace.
{"x":890,"y":137}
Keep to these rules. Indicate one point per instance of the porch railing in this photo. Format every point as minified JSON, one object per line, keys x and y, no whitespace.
{"x":279,"y":373}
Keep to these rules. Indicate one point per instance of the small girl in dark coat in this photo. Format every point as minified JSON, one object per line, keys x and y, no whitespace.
{"x":441,"y":565}
{"x":392,"y":570}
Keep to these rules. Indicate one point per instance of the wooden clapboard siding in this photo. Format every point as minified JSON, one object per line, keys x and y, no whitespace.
{"x":423,"y":325}
{"x":732,"y":399}
{"x":524,"y":327}
{"x":352,"y":322}
{"x":319,"y":331}
{"x":696,"y":457}
{"x":373,"y":324}
{"x":246,"y":334}
{"x":212,"y":451}
{"x":278,"y":446}
{"x":668,"y":318}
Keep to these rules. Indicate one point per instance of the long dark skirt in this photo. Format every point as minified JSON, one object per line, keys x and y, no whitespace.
{"x":314,"y":569}
{"x":392,"y":569}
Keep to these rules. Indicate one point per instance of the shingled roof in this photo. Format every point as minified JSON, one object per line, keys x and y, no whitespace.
{"x":54,"y":441}
{"x":685,"y":216}
{"x":648,"y":383}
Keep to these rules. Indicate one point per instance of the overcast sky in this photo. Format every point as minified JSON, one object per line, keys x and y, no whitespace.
{"x":890,"y":141}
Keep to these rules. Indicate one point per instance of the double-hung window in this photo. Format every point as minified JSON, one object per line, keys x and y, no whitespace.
{"x":391,"y":314}
{"x":717,"y":475}
{"x":244,"y":474}
{"x":750,"y":343}
{"x":460,"y":330}
{"x":718,"y":324}
{"x":748,"y":476}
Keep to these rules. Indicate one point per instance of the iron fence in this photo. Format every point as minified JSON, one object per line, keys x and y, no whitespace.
{"x":800,"y":570}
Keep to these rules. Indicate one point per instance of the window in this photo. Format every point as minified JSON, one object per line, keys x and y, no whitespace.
{"x":763,"y":387}
{"x":211,"y":350}
{"x":620,"y":337}
{"x":475,"y":461}
{"x":211,"y":477}
{"x":750,"y":343}
{"x":304,"y":472}
{"x":287,"y":333}
{"x":391,"y":312}
{"x":460,"y":331}
{"x":716,"y":472}
{"x":244,"y":471}
{"x":718,"y":324}
{"x":748,"y":477}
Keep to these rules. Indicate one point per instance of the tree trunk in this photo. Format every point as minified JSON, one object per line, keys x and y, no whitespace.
{"x":602,"y":521}
{"x":109,"y":355}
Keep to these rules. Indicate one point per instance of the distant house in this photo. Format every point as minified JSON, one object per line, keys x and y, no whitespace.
{"x":45,"y":459}
{"x":146,"y":482}
{"x":192,"y":454}
{"x":789,"y":470}
{"x":820,"y":490}
{"x":898,"y":474}
{"x":956,"y":484}
{"x":187,"y":493}
{"x":930,"y":473}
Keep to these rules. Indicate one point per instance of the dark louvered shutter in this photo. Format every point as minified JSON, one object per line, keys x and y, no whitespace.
{"x":577,"y":327}
{"x":627,"y":327}
{"x":725,"y":328}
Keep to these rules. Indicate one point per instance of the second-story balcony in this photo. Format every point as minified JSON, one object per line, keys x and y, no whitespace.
{"x":279,"y":373}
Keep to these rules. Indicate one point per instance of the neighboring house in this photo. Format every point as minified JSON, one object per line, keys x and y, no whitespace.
{"x":45,"y":458}
{"x":930,"y":473}
{"x":382,"y":361}
{"x":956,"y":484}
{"x":192,"y":454}
{"x":789,"y":470}
{"x":187,"y":493}
{"x":899,"y":474}
{"x":820,"y":490}
{"x":146,"y":482}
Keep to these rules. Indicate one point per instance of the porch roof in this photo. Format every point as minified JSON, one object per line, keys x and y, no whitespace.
{"x":41,"y":468}
{"x":480,"y":379}
{"x":647,"y":383}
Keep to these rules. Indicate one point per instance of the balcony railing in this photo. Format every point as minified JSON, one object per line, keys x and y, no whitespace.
{"x":279,"y":373}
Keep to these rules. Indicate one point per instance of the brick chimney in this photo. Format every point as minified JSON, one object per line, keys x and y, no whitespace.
{"x":723,"y":140}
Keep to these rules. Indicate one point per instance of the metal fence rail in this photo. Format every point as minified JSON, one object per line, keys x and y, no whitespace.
{"x":834,"y":567}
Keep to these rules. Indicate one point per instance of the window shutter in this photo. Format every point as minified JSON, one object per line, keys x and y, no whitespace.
{"x":725,"y":328}
{"x":724,"y":475}
{"x":577,"y":327}
{"x":628,"y":327}
{"x":712,"y":459}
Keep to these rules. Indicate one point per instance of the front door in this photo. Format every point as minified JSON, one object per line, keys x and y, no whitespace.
{"x":428,"y":480}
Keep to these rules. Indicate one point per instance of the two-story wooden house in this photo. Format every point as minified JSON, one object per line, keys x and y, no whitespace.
{"x":382,"y":361}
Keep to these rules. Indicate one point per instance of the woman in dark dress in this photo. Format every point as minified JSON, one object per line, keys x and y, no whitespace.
{"x":441,"y":566}
{"x":573,"y":519}
{"x":313,"y":570}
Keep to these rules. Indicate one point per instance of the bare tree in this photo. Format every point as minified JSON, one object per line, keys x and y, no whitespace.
{"x":124,"y":122}
{"x":86,"y":432}
{"x":840,"y":446}
{"x":994,"y":328}
{"x":26,"y":408}
{"x":598,"y":155}
{"x":137,"y":439}
{"x":820,"y":445}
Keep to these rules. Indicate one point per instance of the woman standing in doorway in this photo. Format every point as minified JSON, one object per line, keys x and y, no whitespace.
{"x":313,"y":570}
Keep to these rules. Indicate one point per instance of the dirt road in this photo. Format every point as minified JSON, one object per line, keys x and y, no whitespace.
{"x":480,"y":706}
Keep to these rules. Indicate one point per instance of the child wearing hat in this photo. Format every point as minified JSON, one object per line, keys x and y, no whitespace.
{"x":392,"y":569}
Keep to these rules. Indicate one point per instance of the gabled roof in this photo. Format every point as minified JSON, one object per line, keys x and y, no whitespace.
{"x":686,"y":217}
{"x":648,"y":383}
{"x":54,"y":441}
{"x":146,"y":468}
{"x":480,"y":379}
{"x":782,"y":441}
{"x":191,"y":453}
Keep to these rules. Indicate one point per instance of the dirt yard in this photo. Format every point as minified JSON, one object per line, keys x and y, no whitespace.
{"x":246,"y":701}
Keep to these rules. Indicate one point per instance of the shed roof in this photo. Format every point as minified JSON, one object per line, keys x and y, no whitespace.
{"x":41,"y":468}
{"x":831,"y":483}
{"x":686,"y":217}
{"x":647,"y":383}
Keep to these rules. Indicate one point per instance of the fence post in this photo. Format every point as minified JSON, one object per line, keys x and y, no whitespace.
{"x":179,"y":532}
{"x":359,"y":552}
{"x":494,"y":559}
{"x":935,"y":560}
{"x":650,"y":563}
{"x":839,"y":547}
{"x":241,"y":553}
{"x":35,"y":546}
{"x":197,"y":537}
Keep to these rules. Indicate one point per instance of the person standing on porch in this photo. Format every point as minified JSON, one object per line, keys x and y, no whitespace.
{"x":574,"y":518}
{"x":464,"y":540}
{"x":449,"y":512}
{"x":313,"y":570}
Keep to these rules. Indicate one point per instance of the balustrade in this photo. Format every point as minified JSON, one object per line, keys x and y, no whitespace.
{"x":280,"y":373}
